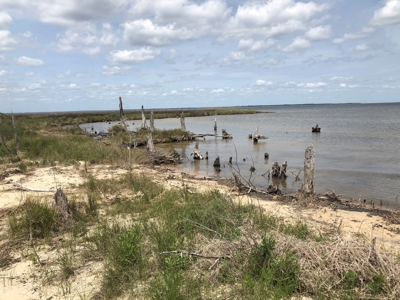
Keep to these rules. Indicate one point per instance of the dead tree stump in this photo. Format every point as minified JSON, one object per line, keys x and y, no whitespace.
{"x":276,"y":170}
{"x":309,"y":165}
{"x":196,"y":152}
{"x":183,"y":126}
{"x":283,"y":170}
{"x":144,"y":125}
{"x":150,"y":144}
{"x":62,"y":203}
{"x":266,"y":155}
{"x":152,"y":121}
{"x":217,"y":163}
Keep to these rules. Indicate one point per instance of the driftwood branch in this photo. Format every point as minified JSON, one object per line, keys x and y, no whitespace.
{"x":27,"y":188}
{"x":195,"y":254}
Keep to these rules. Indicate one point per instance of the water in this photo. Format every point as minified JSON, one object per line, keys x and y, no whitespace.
{"x":356,"y":154}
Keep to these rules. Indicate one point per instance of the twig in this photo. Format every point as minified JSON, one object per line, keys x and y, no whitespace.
{"x":194,"y":254}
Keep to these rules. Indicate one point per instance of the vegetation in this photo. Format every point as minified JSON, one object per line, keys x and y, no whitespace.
{"x":157,"y":243}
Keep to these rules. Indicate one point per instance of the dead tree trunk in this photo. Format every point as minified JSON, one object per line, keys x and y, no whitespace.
{"x":121,"y":116}
{"x":276,"y":170}
{"x":62,"y":202}
{"x":150,"y":144}
{"x":183,"y":126}
{"x":196,"y":153}
{"x":144,"y":125}
{"x":309,"y":164}
{"x":152,"y":121}
{"x":217,"y":163}
{"x":283,"y":170}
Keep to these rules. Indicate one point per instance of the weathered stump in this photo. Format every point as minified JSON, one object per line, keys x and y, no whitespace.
{"x":152,"y":121}
{"x":183,"y":126}
{"x":144,"y":125}
{"x":150,"y":144}
{"x":196,"y":153}
{"x":217,"y":163}
{"x":206,"y":155}
{"x":276,"y":170}
{"x":230,"y":160}
{"x":309,"y":165}
{"x":225,"y":134}
{"x":250,"y":136}
{"x":266,"y":155}
{"x":62,"y":203}
{"x":283,"y":170}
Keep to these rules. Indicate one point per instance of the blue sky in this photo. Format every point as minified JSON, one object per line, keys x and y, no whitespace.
{"x":58,"y":55}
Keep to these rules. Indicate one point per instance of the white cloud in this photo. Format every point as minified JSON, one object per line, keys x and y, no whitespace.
{"x":361,"y":47}
{"x":173,"y":53}
{"x":319,"y":33}
{"x":273,"y":18}
{"x":298,"y":44}
{"x":4,"y":73}
{"x":261,"y":82}
{"x":115,"y":70}
{"x":343,"y":85}
{"x":251,"y":45}
{"x":5,"y":20}
{"x":30,"y":62}
{"x":217,"y":91}
{"x":94,"y":84}
{"x":311,"y":85}
{"x":27,"y":34}
{"x":365,"y":32}
{"x":7,"y":42}
{"x":387,"y":15}
{"x":29,"y":73}
{"x":340,"y":78}
{"x":133,"y":56}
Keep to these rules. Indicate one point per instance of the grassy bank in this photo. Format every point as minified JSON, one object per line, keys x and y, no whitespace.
{"x":156,"y":243}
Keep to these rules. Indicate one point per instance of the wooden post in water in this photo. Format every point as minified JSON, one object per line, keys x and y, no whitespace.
{"x":215,"y":125}
{"x":144,"y":126}
{"x":309,"y":165}
{"x":183,"y":126}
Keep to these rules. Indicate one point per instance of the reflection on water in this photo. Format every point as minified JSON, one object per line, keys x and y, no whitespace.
{"x":356,"y":151}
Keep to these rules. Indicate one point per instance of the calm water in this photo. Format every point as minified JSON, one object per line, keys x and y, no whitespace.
{"x":356,"y":153}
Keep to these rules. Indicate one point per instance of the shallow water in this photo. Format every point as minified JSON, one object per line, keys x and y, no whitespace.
{"x":356,"y":154}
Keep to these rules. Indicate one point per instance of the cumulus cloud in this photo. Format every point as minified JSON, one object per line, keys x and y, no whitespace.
{"x":115,"y":70}
{"x":30,"y":62}
{"x":4,"y":73}
{"x":7,"y":42}
{"x":5,"y":20}
{"x":261,"y":82}
{"x":387,"y":15}
{"x":319,"y":33}
{"x":252,"y":45}
{"x":217,"y":91}
{"x":365,"y":32}
{"x":273,"y":18}
{"x":133,"y":56}
{"x":361,"y":47}
{"x":311,"y":85}
{"x":298,"y":44}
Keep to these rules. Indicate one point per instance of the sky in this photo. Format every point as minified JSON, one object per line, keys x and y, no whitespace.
{"x":76,"y":55}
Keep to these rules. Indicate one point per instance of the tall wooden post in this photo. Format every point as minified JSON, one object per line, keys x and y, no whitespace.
{"x":309,"y":165}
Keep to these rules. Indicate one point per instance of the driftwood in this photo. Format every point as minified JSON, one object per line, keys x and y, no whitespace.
{"x":169,"y":158}
{"x":196,"y":153}
{"x":62,"y":202}
{"x":27,"y":188}
{"x":296,"y":177}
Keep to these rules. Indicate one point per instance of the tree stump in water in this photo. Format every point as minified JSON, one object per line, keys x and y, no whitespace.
{"x":183,"y":126}
{"x":62,"y":203}
{"x":196,"y":153}
{"x":152,"y":121}
{"x":217,"y":163}
{"x":276,"y":170}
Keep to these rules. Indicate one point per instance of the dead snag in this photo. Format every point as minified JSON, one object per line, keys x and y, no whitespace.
{"x":62,"y":202}
{"x":283,"y":170}
{"x":217,"y":163}
{"x":196,"y":153}
{"x":183,"y":126}
{"x":309,"y":164}
{"x":144,"y":125}
{"x":152,"y":121}
{"x":150,"y":144}
{"x":276,"y":170}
